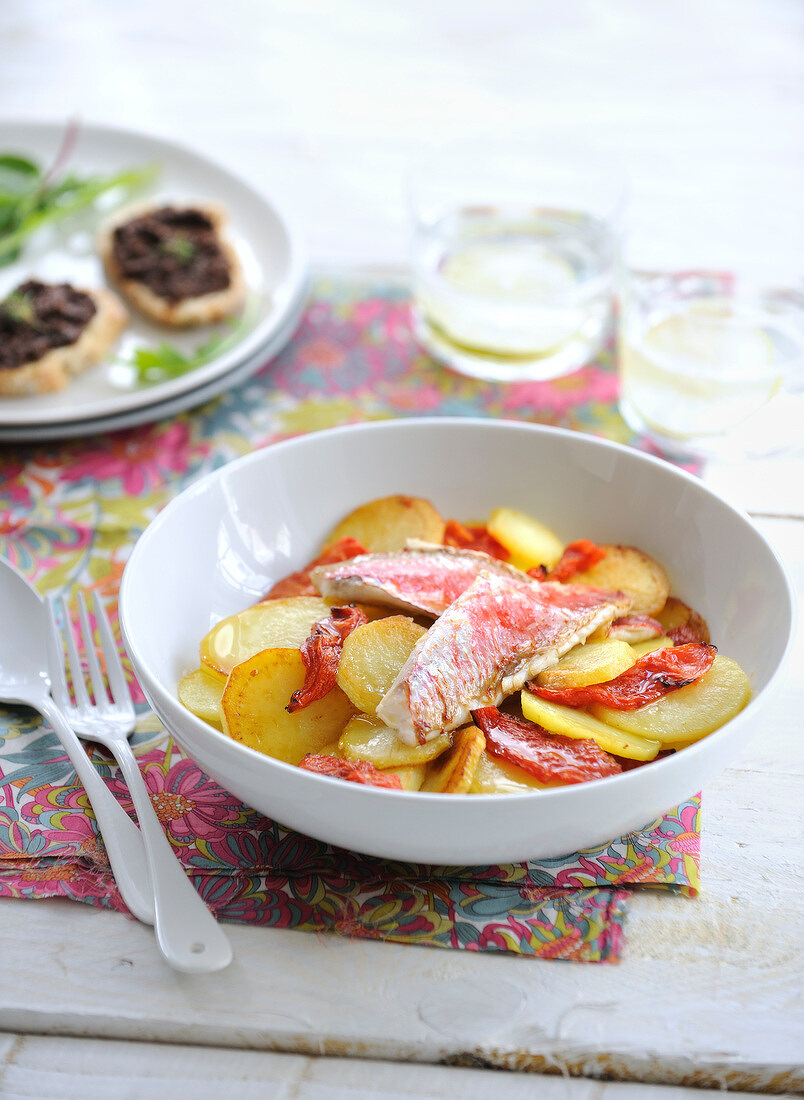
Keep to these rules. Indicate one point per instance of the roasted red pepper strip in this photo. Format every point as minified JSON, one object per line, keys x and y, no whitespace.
{"x":547,"y":756}
{"x":299,"y":584}
{"x":321,"y":653}
{"x":683,"y":634}
{"x":473,"y":537}
{"x":653,"y":676}
{"x":578,"y":556}
{"x":355,"y":771}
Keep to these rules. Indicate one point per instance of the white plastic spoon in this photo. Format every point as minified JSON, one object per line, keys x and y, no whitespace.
{"x":24,"y":679}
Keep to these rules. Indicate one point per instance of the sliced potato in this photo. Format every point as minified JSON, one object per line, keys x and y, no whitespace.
{"x":688,"y":713}
{"x":527,"y":540}
{"x":572,"y":722}
{"x":496,"y":776}
{"x":371,"y":611}
{"x":651,"y":644}
{"x":254,"y":701}
{"x":201,"y":693}
{"x":637,"y":574}
{"x":593,"y":663}
{"x":675,"y":614}
{"x":331,"y":749}
{"x":276,"y":624}
{"x":365,"y":737}
{"x":373,"y":656}
{"x":411,"y":777}
{"x":453,"y":772}
{"x":388,"y":523}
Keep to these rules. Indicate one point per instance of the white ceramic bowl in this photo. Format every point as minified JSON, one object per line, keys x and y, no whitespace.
{"x":219,"y":545}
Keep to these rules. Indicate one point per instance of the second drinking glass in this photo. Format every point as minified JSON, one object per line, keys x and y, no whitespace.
{"x":514,"y":259}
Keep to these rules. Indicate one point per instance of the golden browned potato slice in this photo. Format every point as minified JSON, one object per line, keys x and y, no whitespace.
{"x":688,"y":713}
{"x":633,"y":572}
{"x":571,"y":722}
{"x":648,"y":646}
{"x":372,"y":657}
{"x":593,"y":663}
{"x":411,"y":777}
{"x":201,"y":693}
{"x":453,"y":772}
{"x":388,"y":523}
{"x":675,"y":614}
{"x":254,"y":701}
{"x":276,"y":624}
{"x":527,"y":540}
{"x":371,"y":611}
{"x":331,"y":749}
{"x":366,"y":738}
{"x":496,"y":776}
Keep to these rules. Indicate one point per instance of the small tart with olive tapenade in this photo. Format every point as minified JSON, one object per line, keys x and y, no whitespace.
{"x":52,"y":331}
{"x":174,"y":262}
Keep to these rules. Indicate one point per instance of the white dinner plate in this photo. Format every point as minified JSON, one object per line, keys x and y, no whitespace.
{"x":147,"y":414}
{"x":269,"y":247}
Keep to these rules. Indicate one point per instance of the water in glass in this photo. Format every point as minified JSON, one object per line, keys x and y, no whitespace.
{"x":513,"y":293}
{"x":714,"y":375}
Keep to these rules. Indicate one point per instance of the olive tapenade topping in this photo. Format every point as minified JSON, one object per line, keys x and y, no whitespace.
{"x":174,"y":252}
{"x":37,"y":317}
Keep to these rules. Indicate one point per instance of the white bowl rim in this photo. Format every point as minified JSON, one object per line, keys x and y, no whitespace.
{"x":369,"y":793}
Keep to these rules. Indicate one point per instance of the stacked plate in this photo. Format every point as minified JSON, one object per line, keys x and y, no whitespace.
{"x":110,"y":396}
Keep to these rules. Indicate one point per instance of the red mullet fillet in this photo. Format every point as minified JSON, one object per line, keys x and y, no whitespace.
{"x":500,"y":632}
{"x":422,"y":579}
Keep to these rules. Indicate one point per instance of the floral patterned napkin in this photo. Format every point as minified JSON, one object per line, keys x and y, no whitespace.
{"x":69,"y":515}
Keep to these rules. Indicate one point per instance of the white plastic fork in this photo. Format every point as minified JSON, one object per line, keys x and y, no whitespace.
{"x":25,"y":678}
{"x":188,"y":935}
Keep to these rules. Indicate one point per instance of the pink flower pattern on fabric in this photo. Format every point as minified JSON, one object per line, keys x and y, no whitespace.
{"x":250,"y":870}
{"x":69,"y":515}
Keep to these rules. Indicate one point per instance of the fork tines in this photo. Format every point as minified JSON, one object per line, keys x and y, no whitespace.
{"x":61,"y":639}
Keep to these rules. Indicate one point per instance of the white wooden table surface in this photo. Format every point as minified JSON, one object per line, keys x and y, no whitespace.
{"x":322,"y":104}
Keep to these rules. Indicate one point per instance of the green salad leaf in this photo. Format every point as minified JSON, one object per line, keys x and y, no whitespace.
{"x":159,"y":362}
{"x":31,"y":196}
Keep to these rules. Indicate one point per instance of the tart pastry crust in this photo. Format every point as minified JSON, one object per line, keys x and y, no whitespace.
{"x":54,"y":370}
{"x":202,"y":309}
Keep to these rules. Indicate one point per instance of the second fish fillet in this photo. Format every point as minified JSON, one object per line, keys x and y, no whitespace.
{"x":500,"y":632}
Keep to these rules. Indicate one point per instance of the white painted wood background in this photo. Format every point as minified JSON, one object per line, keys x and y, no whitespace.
{"x":323,"y":103}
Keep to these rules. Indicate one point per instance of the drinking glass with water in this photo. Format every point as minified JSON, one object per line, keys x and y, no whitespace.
{"x":514,"y":260}
{"x":712,"y":367}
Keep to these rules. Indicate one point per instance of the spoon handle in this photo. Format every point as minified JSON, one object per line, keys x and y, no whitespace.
{"x":123,"y":840}
{"x":187,"y":933}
